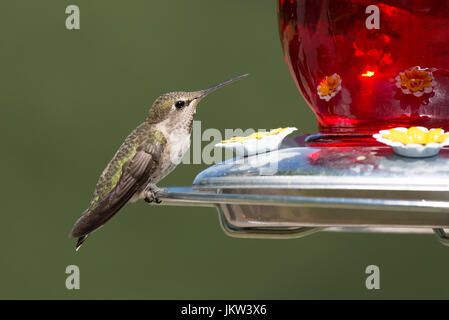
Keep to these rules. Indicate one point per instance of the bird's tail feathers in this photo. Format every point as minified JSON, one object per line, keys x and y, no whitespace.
{"x":80,"y":242}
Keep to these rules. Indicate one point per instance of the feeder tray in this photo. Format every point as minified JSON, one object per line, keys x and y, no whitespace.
{"x":296,"y":191}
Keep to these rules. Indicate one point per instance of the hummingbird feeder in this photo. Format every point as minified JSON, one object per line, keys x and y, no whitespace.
{"x":364,"y":68}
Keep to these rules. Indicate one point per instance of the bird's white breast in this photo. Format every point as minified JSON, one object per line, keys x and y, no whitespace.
{"x":179,"y":142}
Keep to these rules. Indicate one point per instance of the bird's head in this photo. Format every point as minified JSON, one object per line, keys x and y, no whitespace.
{"x":177,"y":109}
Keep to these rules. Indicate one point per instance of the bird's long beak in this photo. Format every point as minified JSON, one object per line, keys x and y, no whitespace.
{"x":205,"y":92}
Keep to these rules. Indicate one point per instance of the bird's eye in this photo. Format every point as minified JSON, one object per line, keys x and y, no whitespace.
{"x":179,"y":104}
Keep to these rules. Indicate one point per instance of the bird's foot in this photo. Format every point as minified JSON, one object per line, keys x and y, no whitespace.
{"x":150,"y":197}
{"x":151,"y":194}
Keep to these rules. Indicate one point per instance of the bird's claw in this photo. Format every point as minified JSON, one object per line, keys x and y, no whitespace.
{"x":151,"y":195}
{"x":148,"y":200}
{"x":153,"y":199}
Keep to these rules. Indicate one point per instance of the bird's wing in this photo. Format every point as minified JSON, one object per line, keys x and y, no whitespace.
{"x":135,"y":173}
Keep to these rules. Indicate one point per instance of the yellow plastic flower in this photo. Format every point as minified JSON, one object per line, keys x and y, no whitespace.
{"x":416,"y":135}
{"x":329,"y":87}
{"x":255,"y":135}
{"x":416,"y":81}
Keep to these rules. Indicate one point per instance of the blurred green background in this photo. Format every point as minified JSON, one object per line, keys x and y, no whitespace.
{"x":68,"y":99}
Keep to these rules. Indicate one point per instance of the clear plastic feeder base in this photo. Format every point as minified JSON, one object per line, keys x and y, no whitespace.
{"x":293,"y":192}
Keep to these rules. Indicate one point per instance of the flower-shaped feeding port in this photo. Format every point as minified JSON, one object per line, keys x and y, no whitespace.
{"x":416,"y":81}
{"x":329,"y":87}
{"x":415,"y":142}
{"x":256,"y":143}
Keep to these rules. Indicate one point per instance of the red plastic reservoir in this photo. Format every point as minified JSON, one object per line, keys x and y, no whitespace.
{"x":363,"y":66}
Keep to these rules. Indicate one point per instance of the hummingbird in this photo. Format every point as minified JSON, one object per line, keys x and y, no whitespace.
{"x":149,"y":153}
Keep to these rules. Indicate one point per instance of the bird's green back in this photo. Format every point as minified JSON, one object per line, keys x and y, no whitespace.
{"x":113,"y":171}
